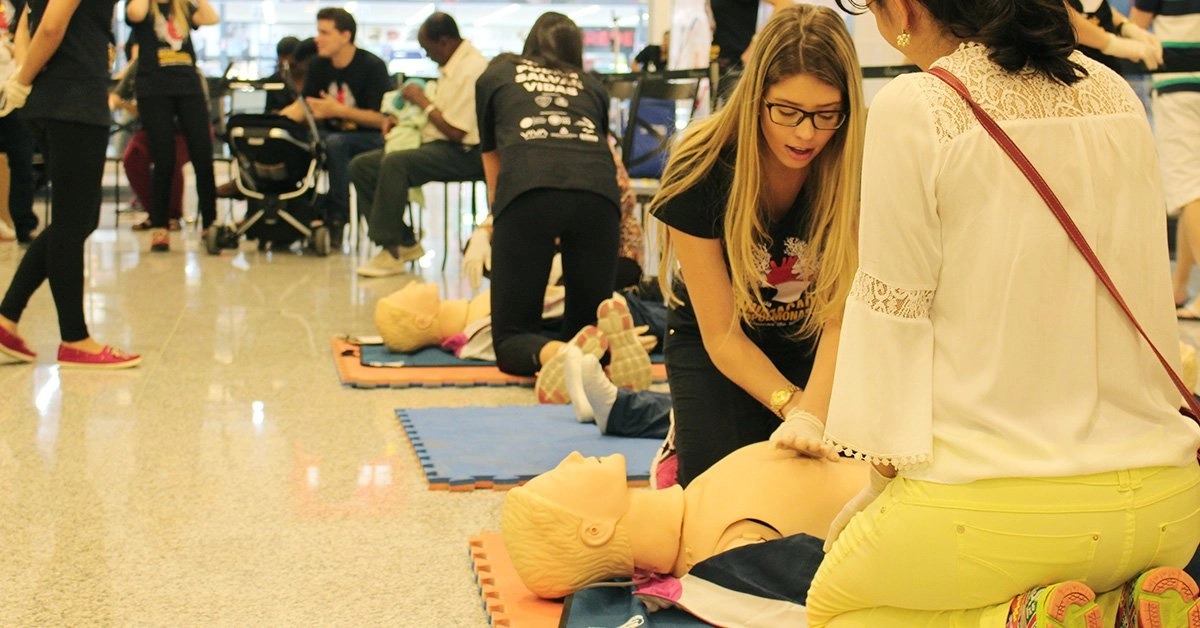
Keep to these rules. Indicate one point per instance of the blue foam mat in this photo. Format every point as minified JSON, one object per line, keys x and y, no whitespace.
{"x":378,"y":355}
{"x":502,"y":446}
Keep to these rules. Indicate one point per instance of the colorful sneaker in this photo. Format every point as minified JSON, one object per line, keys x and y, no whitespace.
{"x":108,"y":358}
{"x":551,"y":385}
{"x":1062,"y":605}
{"x":1164,"y":597}
{"x":629,"y":364}
{"x":14,"y":347}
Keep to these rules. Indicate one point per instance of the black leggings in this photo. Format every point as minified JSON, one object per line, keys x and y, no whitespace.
{"x":523,"y":245}
{"x":75,"y":160}
{"x":158,"y":114}
{"x":713,"y":415}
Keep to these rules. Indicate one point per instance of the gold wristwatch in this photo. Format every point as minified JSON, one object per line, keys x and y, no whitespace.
{"x":781,"y":397}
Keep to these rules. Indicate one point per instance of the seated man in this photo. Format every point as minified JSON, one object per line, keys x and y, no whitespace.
{"x":449,"y":148}
{"x":344,"y":87}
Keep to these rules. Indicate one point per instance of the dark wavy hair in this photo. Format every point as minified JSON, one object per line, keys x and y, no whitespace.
{"x":1021,"y":34}
{"x":341,"y":18}
{"x":555,"y":41}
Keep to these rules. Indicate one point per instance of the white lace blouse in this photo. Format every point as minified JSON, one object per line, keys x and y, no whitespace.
{"x":977,"y":342}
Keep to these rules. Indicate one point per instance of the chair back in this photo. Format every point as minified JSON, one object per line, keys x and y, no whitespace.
{"x":658,"y":108}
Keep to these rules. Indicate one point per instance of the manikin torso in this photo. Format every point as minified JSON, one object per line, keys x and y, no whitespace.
{"x":763,"y":493}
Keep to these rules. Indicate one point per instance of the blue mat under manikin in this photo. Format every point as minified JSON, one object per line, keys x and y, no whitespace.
{"x":378,"y":355}
{"x":502,"y":446}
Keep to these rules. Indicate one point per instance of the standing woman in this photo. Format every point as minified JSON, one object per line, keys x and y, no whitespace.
{"x":543,"y":124}
{"x":760,"y":203}
{"x":170,"y":93}
{"x":64,"y":50}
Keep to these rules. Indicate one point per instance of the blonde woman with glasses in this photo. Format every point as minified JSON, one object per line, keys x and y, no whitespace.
{"x":759,"y":203}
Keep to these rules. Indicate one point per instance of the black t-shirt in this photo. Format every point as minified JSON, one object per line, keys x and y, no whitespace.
{"x":550,"y":128}
{"x":73,"y":86}
{"x":361,"y":84}
{"x":734,"y":24}
{"x":278,"y":98}
{"x":788,"y":269}
{"x":650,"y":58}
{"x":1102,"y":17}
{"x":166,"y":59}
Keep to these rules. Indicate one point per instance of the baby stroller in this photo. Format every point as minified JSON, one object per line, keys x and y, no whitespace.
{"x":277,"y":164}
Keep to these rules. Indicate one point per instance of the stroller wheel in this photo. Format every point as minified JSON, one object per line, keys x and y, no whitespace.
{"x":320,"y":240}
{"x":212,"y":241}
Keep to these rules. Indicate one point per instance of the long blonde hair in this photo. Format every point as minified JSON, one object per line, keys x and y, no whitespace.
{"x":180,"y":15}
{"x":800,"y":39}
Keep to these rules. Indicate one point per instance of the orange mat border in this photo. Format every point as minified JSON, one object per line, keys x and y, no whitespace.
{"x":352,"y":373}
{"x":505,"y":599}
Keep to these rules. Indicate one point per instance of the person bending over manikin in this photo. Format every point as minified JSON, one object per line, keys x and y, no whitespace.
{"x":580,"y":523}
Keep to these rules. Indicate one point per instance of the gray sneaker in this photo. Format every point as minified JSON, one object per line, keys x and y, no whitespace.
{"x":383,"y":265}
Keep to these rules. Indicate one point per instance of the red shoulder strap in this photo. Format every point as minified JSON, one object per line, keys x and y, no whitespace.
{"x":1064,"y":219}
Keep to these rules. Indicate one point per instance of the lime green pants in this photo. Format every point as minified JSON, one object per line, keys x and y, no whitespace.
{"x":926,"y":554}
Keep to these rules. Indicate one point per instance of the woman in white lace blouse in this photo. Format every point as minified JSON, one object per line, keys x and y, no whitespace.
{"x":1038,"y":452}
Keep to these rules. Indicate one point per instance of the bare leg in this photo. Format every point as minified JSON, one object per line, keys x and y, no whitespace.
{"x":1187,"y":248}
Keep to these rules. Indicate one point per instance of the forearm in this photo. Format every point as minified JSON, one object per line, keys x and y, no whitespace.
{"x":1087,"y":33}
{"x":1141,"y":18}
{"x":136,"y":10}
{"x":205,"y":14}
{"x":364,"y":117}
{"x":491,"y":173}
{"x":41,"y":47}
{"x":452,"y":133}
{"x":21,"y":41}
{"x":745,"y":364}
{"x":294,"y":112}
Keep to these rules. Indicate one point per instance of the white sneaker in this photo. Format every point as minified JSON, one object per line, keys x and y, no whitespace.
{"x":383,"y":265}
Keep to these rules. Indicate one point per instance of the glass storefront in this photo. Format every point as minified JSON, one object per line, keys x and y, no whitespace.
{"x":244,"y":40}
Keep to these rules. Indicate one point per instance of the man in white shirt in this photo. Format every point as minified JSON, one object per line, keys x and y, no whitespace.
{"x":449,"y":148}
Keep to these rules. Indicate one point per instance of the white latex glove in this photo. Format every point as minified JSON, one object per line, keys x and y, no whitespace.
{"x":13,"y":95}
{"x":1137,"y":33}
{"x":477,"y":256}
{"x":1133,"y":50}
{"x":874,"y":488}
{"x":803,"y":432}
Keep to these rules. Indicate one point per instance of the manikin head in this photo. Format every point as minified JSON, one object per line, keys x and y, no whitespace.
{"x":564,"y":529}
{"x":408,"y":318}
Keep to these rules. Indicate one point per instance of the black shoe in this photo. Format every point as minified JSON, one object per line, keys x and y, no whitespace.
{"x":336,"y":231}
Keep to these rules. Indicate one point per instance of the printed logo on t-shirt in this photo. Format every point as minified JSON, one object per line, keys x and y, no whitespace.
{"x":341,"y":93}
{"x":170,"y":42}
{"x":786,"y":283}
{"x":554,"y":89}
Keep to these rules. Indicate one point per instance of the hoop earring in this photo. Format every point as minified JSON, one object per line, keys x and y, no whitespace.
{"x":903,"y":40}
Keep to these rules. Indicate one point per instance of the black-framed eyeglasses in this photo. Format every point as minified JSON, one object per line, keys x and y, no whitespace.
{"x":787,"y":115}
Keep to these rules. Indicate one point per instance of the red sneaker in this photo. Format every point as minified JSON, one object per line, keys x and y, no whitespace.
{"x":12,"y":346}
{"x":108,"y":358}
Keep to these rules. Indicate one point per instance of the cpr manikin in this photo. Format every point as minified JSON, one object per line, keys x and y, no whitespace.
{"x":415,"y":317}
{"x":580,"y":523}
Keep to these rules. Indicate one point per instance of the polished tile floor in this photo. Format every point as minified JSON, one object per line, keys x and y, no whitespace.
{"x":230,"y":479}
